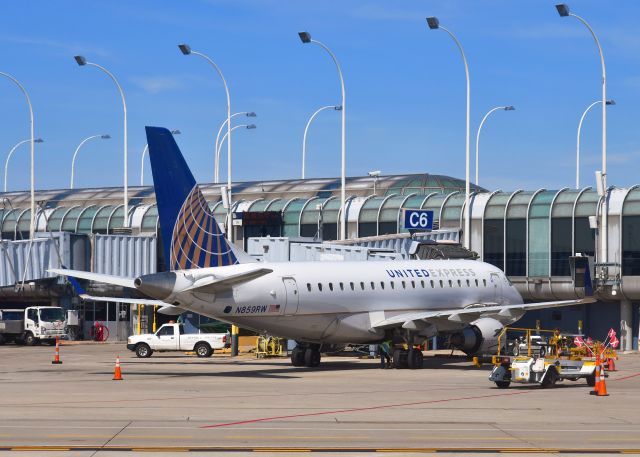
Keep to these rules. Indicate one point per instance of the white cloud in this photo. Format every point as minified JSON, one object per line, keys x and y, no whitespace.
{"x":61,"y":47}
{"x":157,"y":84}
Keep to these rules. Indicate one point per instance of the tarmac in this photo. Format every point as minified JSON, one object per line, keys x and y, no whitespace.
{"x":175,"y":403}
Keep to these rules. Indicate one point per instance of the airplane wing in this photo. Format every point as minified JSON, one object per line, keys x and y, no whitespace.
{"x":473,"y":312}
{"x":107,"y":279}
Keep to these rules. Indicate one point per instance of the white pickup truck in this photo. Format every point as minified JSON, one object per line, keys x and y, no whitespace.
{"x":171,"y":337}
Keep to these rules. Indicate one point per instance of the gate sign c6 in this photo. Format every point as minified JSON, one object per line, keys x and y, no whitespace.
{"x":418,"y":219}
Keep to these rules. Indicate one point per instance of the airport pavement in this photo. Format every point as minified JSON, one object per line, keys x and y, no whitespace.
{"x":174,"y":403}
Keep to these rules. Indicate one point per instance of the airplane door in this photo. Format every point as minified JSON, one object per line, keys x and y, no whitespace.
{"x":292,"y":296}
{"x":496,"y":283}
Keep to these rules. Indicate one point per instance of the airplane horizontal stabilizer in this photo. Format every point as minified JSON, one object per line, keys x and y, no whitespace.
{"x":211,"y":284}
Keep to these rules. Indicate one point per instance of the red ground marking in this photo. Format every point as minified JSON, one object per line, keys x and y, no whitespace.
{"x":355,"y":410}
{"x":625,"y":377}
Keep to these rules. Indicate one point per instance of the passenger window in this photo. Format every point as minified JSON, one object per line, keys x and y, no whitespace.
{"x":450,"y":283}
{"x":352,"y":286}
{"x":413,"y":284}
{"x":382,"y":285}
{"x":459,"y":283}
{"x":309,"y":287}
{"x":373,"y":286}
{"x":422,"y":284}
{"x":341,"y":286}
{"x":331,"y":286}
{"x":441,"y":283}
{"x":362,"y":285}
{"x":165,"y":331}
{"x":468,"y":283}
{"x":484,"y":281}
{"x":431,"y":283}
{"x":404,"y":285}
{"x":476,"y":283}
{"x":320,"y":286}
{"x":393,"y":284}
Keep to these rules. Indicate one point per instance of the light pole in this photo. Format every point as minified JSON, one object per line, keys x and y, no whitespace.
{"x":306,"y":129}
{"x":6,"y":163}
{"x":216,"y":175}
{"x":226,"y":135}
{"x":144,"y":153}
{"x":32,"y":222}
{"x":73,"y":161}
{"x":433,"y":24}
{"x":305,"y":37}
{"x":375,"y":175}
{"x":584,"y":114}
{"x":563,"y":11}
{"x":186,"y":50}
{"x":80,"y":60}
{"x":505,"y":108}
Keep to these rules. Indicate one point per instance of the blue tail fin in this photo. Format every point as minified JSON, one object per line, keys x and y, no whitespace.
{"x":190,"y":233}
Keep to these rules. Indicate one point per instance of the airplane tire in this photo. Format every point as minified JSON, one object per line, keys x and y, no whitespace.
{"x":415,"y":359}
{"x":297,"y":357}
{"x":399,"y":358}
{"x":312,"y":358}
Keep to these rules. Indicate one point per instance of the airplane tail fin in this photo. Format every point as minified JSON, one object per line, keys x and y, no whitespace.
{"x":190,"y":233}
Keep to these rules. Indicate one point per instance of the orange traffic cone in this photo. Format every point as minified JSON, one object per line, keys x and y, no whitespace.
{"x":56,"y":358}
{"x":596,"y":387}
{"x":602,"y":386}
{"x":117,"y":374}
{"x":612,"y":364}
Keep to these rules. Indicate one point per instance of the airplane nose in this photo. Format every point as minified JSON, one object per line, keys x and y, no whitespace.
{"x":157,"y":285}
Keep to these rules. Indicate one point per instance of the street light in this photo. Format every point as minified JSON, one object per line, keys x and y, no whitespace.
{"x":216,"y":175}
{"x":186,"y":50}
{"x":584,"y":114}
{"x":304,"y":137}
{"x":6,"y":163}
{"x":144,"y":153}
{"x":505,"y":108}
{"x":563,"y":11}
{"x":375,"y":175}
{"x":32,"y":222}
{"x":434,"y":24}
{"x":80,"y":60}
{"x":73,"y":161}
{"x":226,"y":135}
{"x":305,"y":37}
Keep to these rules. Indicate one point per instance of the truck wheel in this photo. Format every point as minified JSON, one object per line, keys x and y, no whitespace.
{"x":503,"y":384}
{"x":30,"y":340}
{"x":2,"y":340}
{"x":591,"y":379}
{"x":143,"y":351}
{"x":203,"y":350}
{"x":550,"y":379}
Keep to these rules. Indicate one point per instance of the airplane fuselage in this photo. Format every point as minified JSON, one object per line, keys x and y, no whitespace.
{"x":339,"y":302}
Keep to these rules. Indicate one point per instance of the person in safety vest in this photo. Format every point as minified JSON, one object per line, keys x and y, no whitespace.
{"x":385,"y":354}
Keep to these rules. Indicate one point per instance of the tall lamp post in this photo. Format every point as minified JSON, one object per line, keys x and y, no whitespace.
{"x":505,"y":108}
{"x":73,"y":161}
{"x":434,"y":24}
{"x":80,"y":60}
{"x":6,"y":162}
{"x":144,"y":153}
{"x":226,"y":136}
{"x":306,"y":129}
{"x":563,"y":11}
{"x":305,"y":37}
{"x":584,"y":114}
{"x":216,"y":175}
{"x":186,"y":50}
{"x":32,"y":222}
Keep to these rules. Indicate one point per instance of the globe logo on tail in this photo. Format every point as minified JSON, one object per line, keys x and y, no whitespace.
{"x":197,"y":241}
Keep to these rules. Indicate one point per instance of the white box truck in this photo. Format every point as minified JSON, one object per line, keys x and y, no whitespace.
{"x":32,"y":325}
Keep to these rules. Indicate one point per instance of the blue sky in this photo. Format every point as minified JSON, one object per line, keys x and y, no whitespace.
{"x":405,"y":86}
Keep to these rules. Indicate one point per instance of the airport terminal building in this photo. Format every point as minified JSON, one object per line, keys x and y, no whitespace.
{"x":530,"y":234}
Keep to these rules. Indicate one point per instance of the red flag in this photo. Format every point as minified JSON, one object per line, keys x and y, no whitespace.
{"x":614,"y":342}
{"x":578,"y":341}
{"x":612,"y":333}
{"x":589,"y":341}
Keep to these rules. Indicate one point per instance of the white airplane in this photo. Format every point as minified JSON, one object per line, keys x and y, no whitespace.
{"x":318,"y":304}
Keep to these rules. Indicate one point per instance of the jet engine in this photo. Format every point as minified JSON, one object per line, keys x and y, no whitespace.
{"x":480,"y":337}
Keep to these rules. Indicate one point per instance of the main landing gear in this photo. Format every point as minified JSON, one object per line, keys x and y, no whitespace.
{"x":412,"y":358}
{"x":306,"y":356}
